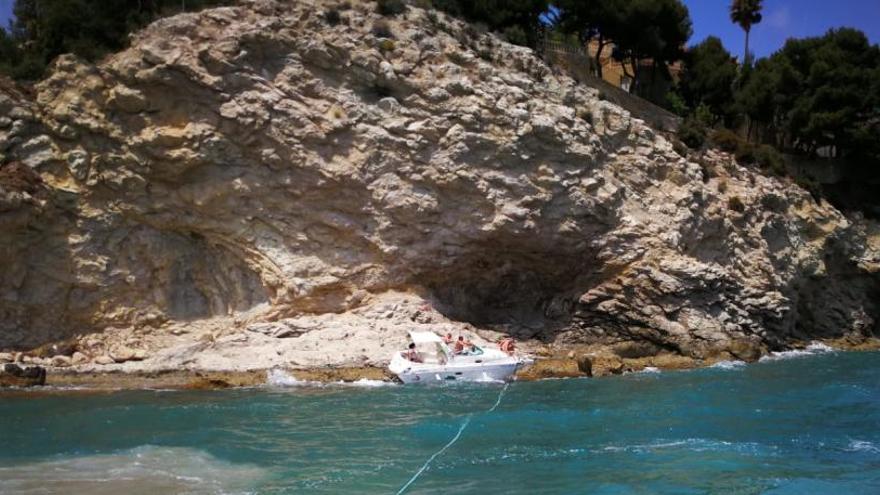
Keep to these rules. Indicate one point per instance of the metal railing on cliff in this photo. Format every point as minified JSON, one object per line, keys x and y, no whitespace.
{"x":574,"y":60}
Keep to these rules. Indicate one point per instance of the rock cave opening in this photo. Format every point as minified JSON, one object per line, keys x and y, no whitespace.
{"x":207,"y":280}
{"x":524,"y":293}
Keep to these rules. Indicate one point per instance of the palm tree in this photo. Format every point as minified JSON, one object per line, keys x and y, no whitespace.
{"x":746,"y":13}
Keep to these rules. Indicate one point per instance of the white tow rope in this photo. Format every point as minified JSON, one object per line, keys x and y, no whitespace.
{"x":503,"y":389}
{"x":466,"y":422}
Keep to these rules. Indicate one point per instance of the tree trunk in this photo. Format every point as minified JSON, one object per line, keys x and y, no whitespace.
{"x":635,"y":75}
{"x":599,"y":56}
{"x":746,"y":54}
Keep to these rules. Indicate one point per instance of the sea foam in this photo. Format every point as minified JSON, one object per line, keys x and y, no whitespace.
{"x":811,"y":350}
{"x":280,"y":378}
{"x":863,"y":446}
{"x":728,"y":365}
{"x":144,"y":470}
{"x":687,"y":444}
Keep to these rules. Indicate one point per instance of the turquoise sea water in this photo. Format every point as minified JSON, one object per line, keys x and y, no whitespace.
{"x":808,"y":424}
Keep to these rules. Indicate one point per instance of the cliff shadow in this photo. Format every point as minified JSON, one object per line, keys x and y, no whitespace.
{"x":845,"y":300}
{"x":520,"y":290}
{"x":38,"y":282}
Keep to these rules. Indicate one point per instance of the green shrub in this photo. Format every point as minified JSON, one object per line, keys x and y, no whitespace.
{"x":423,"y":4}
{"x":390,"y":8}
{"x":770,"y":160}
{"x":381,"y":29}
{"x":708,"y":170}
{"x":456,"y":57}
{"x":811,"y":185}
{"x":675,"y":103}
{"x":745,"y":153}
{"x":726,"y":140}
{"x":736,"y":204}
{"x":704,"y":115}
{"x":680,"y":148}
{"x":43,"y":29}
{"x":31,"y":68}
{"x":692,"y":133}
{"x":516,"y":35}
{"x":432,"y":17}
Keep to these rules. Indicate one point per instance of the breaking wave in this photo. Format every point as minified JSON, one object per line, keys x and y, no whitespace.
{"x":811,"y":350}
{"x":728,"y":365}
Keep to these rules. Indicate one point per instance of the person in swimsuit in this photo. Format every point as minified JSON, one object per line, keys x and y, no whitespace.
{"x":462,"y":345}
{"x":459,"y":346}
{"x":507,"y":345}
{"x":412,"y":354}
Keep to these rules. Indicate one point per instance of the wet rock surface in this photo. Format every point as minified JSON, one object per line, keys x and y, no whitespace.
{"x":551,"y":368}
{"x":13,"y":375}
{"x":157,"y":379}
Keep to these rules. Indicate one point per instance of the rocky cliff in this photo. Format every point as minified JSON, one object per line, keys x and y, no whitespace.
{"x":253,"y":179}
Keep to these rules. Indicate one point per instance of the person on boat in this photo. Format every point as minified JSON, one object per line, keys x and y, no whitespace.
{"x":412,"y":354}
{"x":459,"y":346}
{"x":447,"y":339}
{"x":462,"y":346}
{"x":508,"y":345}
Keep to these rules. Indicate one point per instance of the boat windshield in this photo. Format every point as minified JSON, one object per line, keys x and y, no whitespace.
{"x":473,"y":351}
{"x":433,"y":352}
{"x":440,"y":353}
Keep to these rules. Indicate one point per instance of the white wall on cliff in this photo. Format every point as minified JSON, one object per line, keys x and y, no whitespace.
{"x":255,"y":158}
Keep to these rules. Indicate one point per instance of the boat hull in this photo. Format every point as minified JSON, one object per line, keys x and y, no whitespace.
{"x":451,"y":373}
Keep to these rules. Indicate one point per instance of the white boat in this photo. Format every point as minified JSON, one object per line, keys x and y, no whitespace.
{"x":440,"y":364}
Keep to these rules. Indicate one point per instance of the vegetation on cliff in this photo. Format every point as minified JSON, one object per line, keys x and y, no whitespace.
{"x":817,"y":96}
{"x":44,"y":29}
{"x":518,"y":20}
{"x":639,"y":29}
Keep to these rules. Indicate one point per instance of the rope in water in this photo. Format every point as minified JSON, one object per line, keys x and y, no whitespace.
{"x":503,"y":389}
{"x":467,"y":421}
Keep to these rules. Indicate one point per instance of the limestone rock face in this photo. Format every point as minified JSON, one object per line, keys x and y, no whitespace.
{"x":256,"y":167}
